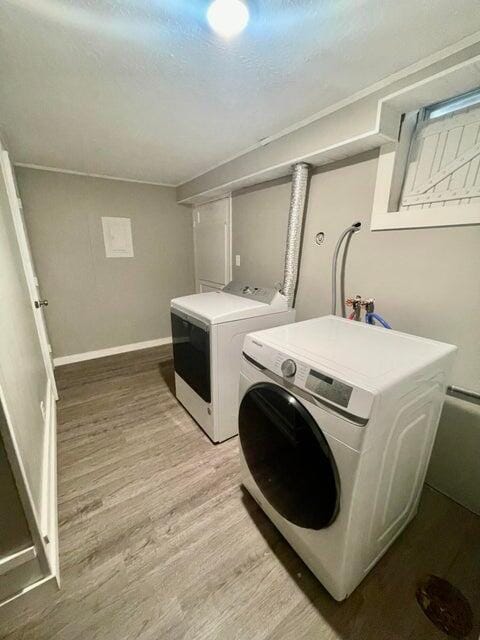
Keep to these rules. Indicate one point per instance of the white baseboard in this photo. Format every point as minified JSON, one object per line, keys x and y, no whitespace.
{"x":111,"y":351}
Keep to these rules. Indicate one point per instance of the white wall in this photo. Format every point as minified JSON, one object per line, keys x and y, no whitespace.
{"x":425,"y":282}
{"x":97,"y":302}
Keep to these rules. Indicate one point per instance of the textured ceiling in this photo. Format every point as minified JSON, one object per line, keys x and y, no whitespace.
{"x":142,"y":89}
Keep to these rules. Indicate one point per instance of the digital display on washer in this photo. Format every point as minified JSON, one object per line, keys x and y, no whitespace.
{"x":329,"y":388}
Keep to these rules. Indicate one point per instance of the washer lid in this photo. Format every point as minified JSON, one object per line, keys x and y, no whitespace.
{"x":218,"y":306}
{"x":362,"y":354}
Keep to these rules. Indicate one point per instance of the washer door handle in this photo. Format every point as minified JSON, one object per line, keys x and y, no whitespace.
{"x":256,"y":364}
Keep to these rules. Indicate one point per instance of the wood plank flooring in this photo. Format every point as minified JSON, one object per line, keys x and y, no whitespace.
{"x":158,"y":541}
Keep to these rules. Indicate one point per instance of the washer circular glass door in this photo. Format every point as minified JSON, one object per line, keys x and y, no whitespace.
{"x":288,"y":456}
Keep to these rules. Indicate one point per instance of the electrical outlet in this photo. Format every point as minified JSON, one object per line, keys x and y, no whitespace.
{"x":237,"y":261}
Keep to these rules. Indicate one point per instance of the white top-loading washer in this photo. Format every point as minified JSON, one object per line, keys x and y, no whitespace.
{"x":337,"y":421}
{"x":208,"y":330}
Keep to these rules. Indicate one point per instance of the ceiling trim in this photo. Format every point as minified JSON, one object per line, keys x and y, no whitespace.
{"x":363,"y":93}
{"x":39,"y":167}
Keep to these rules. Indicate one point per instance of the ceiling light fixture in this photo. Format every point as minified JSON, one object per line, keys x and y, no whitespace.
{"x":228,"y":17}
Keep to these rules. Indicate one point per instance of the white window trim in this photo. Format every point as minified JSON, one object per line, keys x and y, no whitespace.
{"x":393,"y":156}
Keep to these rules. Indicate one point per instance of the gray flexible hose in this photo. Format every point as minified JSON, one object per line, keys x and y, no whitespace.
{"x":348,"y":232}
{"x":343,"y":266}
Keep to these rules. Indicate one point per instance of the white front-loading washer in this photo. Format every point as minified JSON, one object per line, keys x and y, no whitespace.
{"x":337,"y":421}
{"x":208,"y":330}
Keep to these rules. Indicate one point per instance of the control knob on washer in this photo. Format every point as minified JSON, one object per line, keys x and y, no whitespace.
{"x":289,"y":368}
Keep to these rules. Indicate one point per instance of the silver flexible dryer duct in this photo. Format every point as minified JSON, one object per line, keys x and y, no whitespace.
{"x":295,"y":230}
{"x":348,"y":232}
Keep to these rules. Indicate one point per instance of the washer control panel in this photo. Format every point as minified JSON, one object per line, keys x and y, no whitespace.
{"x":305,"y":375}
{"x":260,"y":294}
{"x":329,"y":388}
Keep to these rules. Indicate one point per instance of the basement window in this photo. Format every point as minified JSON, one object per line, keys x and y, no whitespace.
{"x":447,"y":107}
{"x":430,"y":177}
{"x":444,"y":159}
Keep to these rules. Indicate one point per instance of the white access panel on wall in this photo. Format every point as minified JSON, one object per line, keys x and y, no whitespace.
{"x":212,"y":244}
{"x":117,"y":236}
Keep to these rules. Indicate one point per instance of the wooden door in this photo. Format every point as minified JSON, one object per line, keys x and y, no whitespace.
{"x":36,"y":300}
{"x":212,"y":244}
{"x":27,"y":398}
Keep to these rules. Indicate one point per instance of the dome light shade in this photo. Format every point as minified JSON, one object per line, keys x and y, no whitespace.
{"x":228,"y":17}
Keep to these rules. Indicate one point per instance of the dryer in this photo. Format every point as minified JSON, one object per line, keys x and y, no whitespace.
{"x":337,"y":421}
{"x":208,"y":330}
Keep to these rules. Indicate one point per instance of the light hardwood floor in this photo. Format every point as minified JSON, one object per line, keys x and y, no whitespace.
{"x":158,"y":541}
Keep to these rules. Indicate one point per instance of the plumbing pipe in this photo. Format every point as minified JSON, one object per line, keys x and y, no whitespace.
{"x":348,"y":232}
{"x":371,"y":317}
{"x":295,"y":230}
{"x":468,"y":395}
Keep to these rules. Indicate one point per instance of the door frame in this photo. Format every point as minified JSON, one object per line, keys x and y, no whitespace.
{"x":33,"y":517}
{"x":27,"y":261}
{"x":227,"y":247}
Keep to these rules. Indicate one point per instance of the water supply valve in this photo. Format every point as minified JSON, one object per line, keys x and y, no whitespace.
{"x":357,"y":303}
{"x":368,"y":304}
